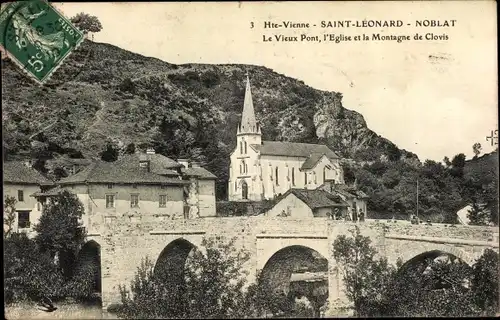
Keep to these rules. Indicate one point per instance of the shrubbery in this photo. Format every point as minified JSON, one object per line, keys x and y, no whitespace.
{"x":42,"y":267}
{"x":431,"y":289}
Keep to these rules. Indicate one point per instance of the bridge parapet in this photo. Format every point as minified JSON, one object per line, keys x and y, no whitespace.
{"x":474,"y":233}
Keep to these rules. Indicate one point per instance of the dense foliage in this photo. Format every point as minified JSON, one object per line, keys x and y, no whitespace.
{"x":41,"y":267}
{"x":446,"y":287}
{"x":442,"y":189}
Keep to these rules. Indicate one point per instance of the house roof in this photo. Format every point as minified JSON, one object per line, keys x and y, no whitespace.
{"x":199,"y":172}
{"x":82,"y":162}
{"x":312,"y":161}
{"x":158,"y":163}
{"x":52,"y":192}
{"x":316,"y":199}
{"x":347,"y":191}
{"x":17,"y":172}
{"x":353,"y":191}
{"x":293,"y":149}
{"x":118,"y":172}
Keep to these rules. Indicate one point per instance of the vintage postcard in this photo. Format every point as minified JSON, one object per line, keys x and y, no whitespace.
{"x":250,"y":159}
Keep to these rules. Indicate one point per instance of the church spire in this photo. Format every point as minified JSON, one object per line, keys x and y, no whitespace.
{"x":248,"y":122}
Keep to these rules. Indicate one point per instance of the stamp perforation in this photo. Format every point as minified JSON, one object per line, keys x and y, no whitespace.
{"x":59,"y":62}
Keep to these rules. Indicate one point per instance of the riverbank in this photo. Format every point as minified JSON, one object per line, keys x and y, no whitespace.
{"x":64,"y":311}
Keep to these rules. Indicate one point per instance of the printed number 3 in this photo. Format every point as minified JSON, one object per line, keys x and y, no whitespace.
{"x":251,"y":25}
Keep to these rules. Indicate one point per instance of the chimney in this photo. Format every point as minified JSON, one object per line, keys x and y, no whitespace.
{"x":184,"y":162}
{"x":150,"y":151}
{"x":28,"y":163}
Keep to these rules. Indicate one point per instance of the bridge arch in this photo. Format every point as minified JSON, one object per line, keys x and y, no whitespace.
{"x":297,"y":260}
{"x":170,"y":264}
{"x":89,"y":264}
{"x":269,"y":245}
{"x":435,"y":250}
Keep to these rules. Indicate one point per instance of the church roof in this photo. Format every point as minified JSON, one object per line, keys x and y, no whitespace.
{"x":16,"y":172}
{"x":248,"y":122}
{"x":293,"y":149}
{"x":311,"y":161}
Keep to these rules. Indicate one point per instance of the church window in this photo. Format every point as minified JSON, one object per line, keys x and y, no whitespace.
{"x":235,"y":185}
{"x":324,"y":174}
{"x":293,"y":176}
{"x":246,"y":167}
{"x":245,"y":147}
{"x":305,"y":178}
{"x":241,"y":147}
{"x":276,"y":172}
{"x":243,"y":167}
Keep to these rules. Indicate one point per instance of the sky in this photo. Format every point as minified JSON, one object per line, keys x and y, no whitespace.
{"x":433,"y":98}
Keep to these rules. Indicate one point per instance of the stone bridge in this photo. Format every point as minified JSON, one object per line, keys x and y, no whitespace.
{"x":123,"y":244}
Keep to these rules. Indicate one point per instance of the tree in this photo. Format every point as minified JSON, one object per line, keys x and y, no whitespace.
{"x":485,"y":283}
{"x":87,"y":23}
{"x":457,"y":165}
{"x":476,"y":148}
{"x":28,"y":273}
{"x":9,"y":215}
{"x":59,"y":231}
{"x":213,"y":287}
{"x":130,"y":149}
{"x":110,"y":154}
{"x":365,"y":278}
{"x":433,"y":288}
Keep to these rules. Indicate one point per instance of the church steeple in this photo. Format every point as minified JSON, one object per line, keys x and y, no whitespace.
{"x":248,"y":123}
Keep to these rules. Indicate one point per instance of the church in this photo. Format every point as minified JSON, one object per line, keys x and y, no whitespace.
{"x":263,"y":170}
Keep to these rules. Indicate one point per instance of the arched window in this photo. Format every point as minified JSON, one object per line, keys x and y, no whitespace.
{"x":241,"y":147}
{"x":246,"y":167}
{"x":324,"y":174}
{"x":293,"y":176}
{"x":305,"y":178}
{"x":243,"y":166}
{"x":235,"y":185}
{"x":276,"y":174}
{"x":245,"y":147}
{"x":241,"y":169}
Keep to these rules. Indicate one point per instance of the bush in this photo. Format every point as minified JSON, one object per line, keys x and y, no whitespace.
{"x":29,"y":274}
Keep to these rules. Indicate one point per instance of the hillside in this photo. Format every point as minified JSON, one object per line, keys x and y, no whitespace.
{"x":483,"y":169}
{"x":106,"y":94}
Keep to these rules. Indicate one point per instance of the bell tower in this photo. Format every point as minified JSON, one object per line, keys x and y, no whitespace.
{"x":249,"y":130}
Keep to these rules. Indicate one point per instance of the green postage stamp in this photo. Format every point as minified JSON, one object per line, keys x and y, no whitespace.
{"x":37,"y":37}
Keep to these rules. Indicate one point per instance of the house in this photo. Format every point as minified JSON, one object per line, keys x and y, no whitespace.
{"x":302,"y":203}
{"x":20,"y":182}
{"x":69,"y":165}
{"x":141,"y":183}
{"x":261,"y":170}
{"x":355,"y":198}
